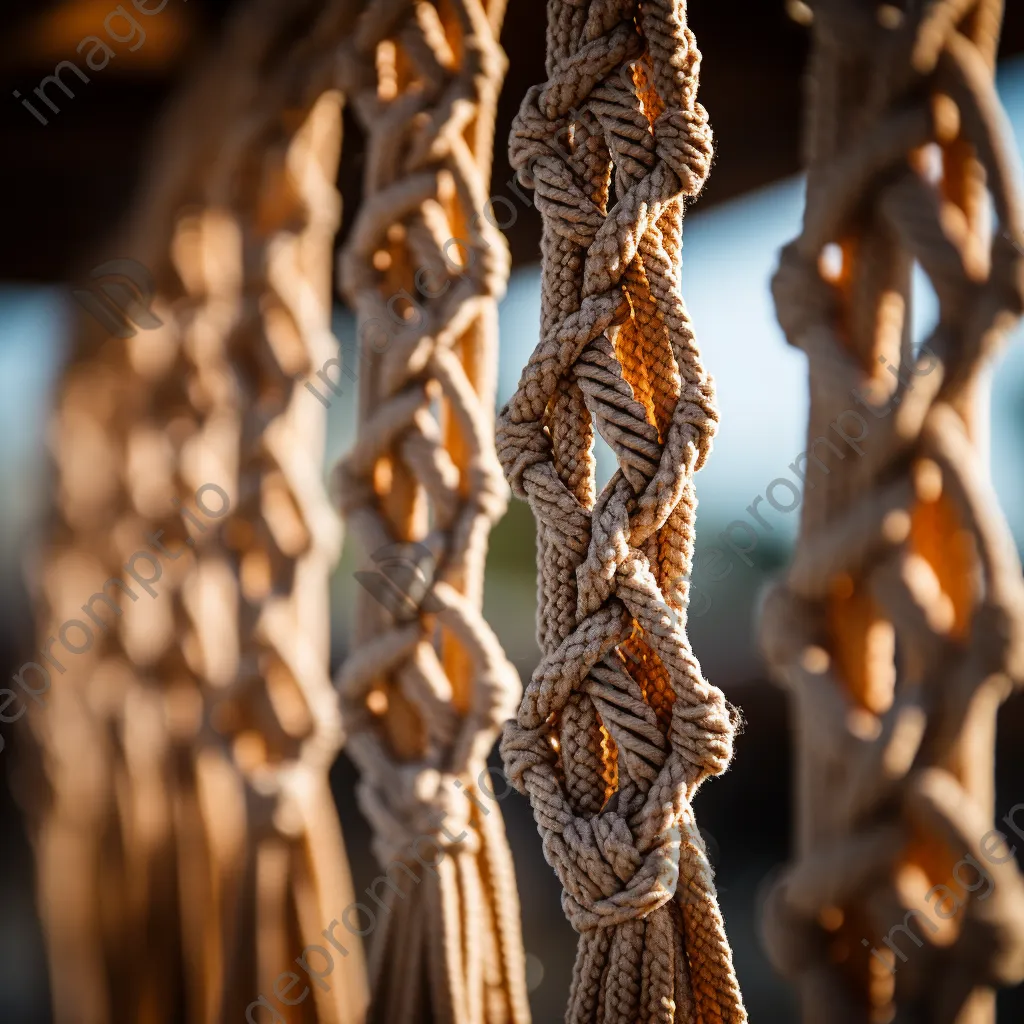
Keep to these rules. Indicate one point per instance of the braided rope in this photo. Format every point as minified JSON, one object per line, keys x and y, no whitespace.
{"x":900,"y":624}
{"x":423,"y":695}
{"x":617,"y":728}
{"x":191,"y":836}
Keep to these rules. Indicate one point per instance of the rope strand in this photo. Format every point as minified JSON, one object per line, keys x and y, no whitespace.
{"x":618,"y":728}
{"x":426,"y":686}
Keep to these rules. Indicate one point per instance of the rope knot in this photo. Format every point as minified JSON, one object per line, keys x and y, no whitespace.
{"x":522,"y":749}
{"x":530,"y":137}
{"x":520,"y":446}
{"x":418,"y":807}
{"x":803,"y":299}
{"x":704,"y":735}
{"x":683,"y":139}
{"x":608,"y":879}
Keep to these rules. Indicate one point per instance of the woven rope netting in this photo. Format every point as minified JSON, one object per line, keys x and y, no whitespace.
{"x":426,"y":685}
{"x":900,"y":624}
{"x":189,"y":840}
{"x":617,"y":728}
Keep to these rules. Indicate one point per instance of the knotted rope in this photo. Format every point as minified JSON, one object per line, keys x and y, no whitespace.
{"x":424,"y":692}
{"x":617,"y":728}
{"x":900,"y":624}
{"x":191,"y":840}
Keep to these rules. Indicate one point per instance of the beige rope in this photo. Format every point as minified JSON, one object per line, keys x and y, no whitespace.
{"x":423,"y":695}
{"x":618,"y":728}
{"x":190,"y":838}
{"x":900,"y":625}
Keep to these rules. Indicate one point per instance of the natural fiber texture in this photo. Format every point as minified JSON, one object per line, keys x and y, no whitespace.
{"x":900,"y":624}
{"x":618,"y":728}
{"x":190,"y":842}
{"x":427,"y":685}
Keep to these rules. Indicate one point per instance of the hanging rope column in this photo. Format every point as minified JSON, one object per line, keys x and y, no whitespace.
{"x":190,"y":841}
{"x":427,"y":685}
{"x":617,"y":728}
{"x":271,"y":706}
{"x":900,"y":624}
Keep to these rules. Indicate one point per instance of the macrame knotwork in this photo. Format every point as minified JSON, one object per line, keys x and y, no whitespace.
{"x":189,"y":844}
{"x":617,"y":728}
{"x":900,"y":624}
{"x":426,"y":684}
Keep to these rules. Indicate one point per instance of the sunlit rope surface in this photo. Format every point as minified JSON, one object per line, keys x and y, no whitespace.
{"x":424,"y":694}
{"x":618,"y":728}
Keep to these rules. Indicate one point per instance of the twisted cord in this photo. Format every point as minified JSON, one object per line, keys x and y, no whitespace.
{"x":190,"y":836}
{"x":424,"y":693}
{"x":903,"y":550}
{"x":617,"y":729}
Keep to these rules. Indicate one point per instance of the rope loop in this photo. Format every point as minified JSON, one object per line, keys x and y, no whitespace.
{"x":683,"y":139}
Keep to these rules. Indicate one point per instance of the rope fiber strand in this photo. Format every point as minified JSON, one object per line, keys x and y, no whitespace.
{"x":899,"y":626}
{"x":426,"y":686}
{"x":618,"y":729}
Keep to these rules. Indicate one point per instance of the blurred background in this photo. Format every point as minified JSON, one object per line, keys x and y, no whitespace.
{"x":67,"y":184}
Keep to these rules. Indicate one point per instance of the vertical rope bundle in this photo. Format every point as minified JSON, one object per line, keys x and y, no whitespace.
{"x":617,"y":728}
{"x":900,"y":624}
{"x":190,"y":840}
{"x":424,"y":690}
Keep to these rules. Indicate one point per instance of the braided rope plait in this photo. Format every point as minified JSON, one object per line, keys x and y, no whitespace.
{"x":903,"y":549}
{"x":188,"y":751}
{"x":426,"y":686}
{"x":617,"y":728}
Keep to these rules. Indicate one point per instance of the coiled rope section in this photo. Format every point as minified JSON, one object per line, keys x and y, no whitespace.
{"x":617,"y":728}
{"x":900,"y":624}
{"x":427,"y":685}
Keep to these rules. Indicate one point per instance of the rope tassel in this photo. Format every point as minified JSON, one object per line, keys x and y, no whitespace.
{"x":618,"y":728}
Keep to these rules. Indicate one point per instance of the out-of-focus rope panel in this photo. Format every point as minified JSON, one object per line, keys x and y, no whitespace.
{"x":189,"y":840}
{"x":900,"y":624}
